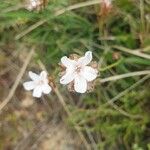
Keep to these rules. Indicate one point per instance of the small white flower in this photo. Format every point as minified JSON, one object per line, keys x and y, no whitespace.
{"x":32,"y":4}
{"x":78,"y":72}
{"x":108,"y":3}
{"x":39,"y":84}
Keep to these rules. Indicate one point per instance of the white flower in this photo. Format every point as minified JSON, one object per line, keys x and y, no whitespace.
{"x":32,"y":4}
{"x":108,"y":3}
{"x":39,"y":84}
{"x":78,"y":72}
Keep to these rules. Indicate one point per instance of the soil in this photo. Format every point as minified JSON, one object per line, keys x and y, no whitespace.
{"x":26,"y":122}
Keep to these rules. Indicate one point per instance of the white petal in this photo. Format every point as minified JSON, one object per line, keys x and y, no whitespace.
{"x":86,"y":59}
{"x":33,"y":3}
{"x":33,"y":76}
{"x":67,"y":78}
{"x":80,"y":84}
{"x":37,"y":92}
{"x":46,"y":89}
{"x":89,"y":73}
{"x":29,"y":85}
{"x":43,"y":74}
{"x":67,"y":62}
{"x":107,"y":2}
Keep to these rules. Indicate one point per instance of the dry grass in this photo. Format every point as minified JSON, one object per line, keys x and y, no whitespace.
{"x":115,"y":115}
{"x":30,"y":134}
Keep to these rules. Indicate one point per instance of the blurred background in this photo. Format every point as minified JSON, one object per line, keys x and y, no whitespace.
{"x":35,"y":34}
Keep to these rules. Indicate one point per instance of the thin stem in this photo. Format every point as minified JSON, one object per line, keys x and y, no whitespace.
{"x":110,"y":66}
{"x":13,"y":8}
{"x":57,"y":13}
{"x":76,"y":6}
{"x":124,"y":112}
{"x":133,"y":52}
{"x":126,"y":75}
{"x":142,"y":15}
{"x":17,"y":81}
{"x":62,"y":101}
{"x":116,"y":107}
{"x":69,"y":114}
{"x":127,"y":90}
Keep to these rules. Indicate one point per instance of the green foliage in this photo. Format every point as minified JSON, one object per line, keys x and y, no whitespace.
{"x":82,"y":30}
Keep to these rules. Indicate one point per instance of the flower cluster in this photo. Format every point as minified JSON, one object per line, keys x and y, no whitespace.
{"x":78,"y":74}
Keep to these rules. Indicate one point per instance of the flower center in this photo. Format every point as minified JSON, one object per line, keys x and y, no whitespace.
{"x":40,"y":82}
{"x":78,"y":69}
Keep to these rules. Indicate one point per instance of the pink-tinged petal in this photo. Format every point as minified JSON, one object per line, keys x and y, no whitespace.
{"x":29,"y":85}
{"x":80,"y":84}
{"x":43,"y":74}
{"x":37,"y":92}
{"x":107,"y":2}
{"x":67,"y":78}
{"x":33,"y":76}
{"x":33,"y":3}
{"x":85,"y":60}
{"x":89,"y":73}
{"x":43,"y":77}
{"x":46,"y":89}
{"x":68,"y":63}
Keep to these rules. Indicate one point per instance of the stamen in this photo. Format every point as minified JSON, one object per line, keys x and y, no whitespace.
{"x":78,"y":69}
{"x":40,"y":82}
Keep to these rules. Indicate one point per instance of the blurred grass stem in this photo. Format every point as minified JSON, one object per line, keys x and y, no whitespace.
{"x":57,"y":13}
{"x":127,"y":90}
{"x":126,"y":75}
{"x":133,"y":52}
{"x":62,"y":101}
{"x":17,"y":81}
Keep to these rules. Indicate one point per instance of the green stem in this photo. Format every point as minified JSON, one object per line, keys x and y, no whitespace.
{"x":111,"y":66}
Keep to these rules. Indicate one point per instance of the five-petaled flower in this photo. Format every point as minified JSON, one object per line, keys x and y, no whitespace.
{"x":78,"y":72}
{"x":39,"y":84}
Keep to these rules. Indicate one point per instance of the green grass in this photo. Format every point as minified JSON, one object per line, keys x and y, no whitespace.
{"x":80,"y":30}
